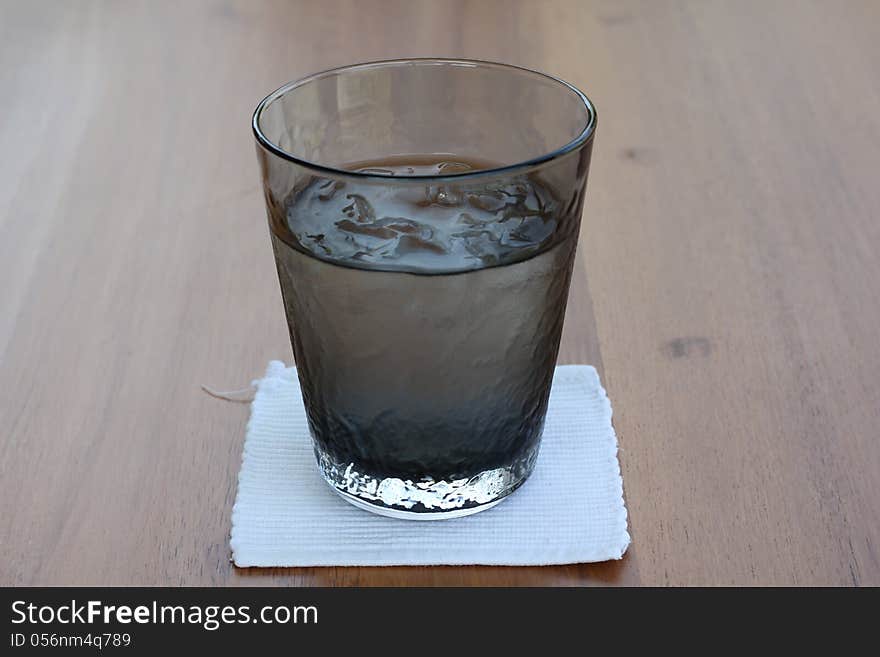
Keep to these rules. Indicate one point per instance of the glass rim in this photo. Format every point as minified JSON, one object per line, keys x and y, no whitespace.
{"x":584,"y":136}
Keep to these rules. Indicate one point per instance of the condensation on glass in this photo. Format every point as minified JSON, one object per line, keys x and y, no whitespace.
{"x":424,"y":216}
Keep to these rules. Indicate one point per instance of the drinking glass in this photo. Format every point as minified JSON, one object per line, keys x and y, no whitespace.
{"x":424,"y":216}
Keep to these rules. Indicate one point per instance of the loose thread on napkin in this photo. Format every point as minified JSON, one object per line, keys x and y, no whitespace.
{"x":242,"y":396}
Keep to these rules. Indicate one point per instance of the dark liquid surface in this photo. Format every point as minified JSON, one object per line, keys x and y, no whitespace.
{"x":418,"y":227}
{"x":410,"y":370}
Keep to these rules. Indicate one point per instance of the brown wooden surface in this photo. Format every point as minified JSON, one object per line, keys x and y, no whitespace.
{"x":731,"y":240}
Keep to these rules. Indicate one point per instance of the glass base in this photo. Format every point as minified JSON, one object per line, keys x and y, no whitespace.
{"x":389,"y":512}
{"x":427,"y":499}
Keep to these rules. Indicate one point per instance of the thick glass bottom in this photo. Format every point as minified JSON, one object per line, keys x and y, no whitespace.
{"x":400,"y":514}
{"x":427,"y":499}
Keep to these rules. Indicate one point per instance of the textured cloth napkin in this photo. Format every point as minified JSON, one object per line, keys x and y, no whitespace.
{"x":570,"y":510}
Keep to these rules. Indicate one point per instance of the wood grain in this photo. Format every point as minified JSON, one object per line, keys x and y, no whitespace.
{"x":728,"y":284}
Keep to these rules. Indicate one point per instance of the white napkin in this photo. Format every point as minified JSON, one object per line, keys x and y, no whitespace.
{"x":570,"y":510}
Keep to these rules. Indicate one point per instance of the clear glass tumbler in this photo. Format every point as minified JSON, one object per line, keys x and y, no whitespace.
{"x":424,"y":216}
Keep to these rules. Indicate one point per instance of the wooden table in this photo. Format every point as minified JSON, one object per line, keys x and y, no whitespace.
{"x":728,"y":285}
